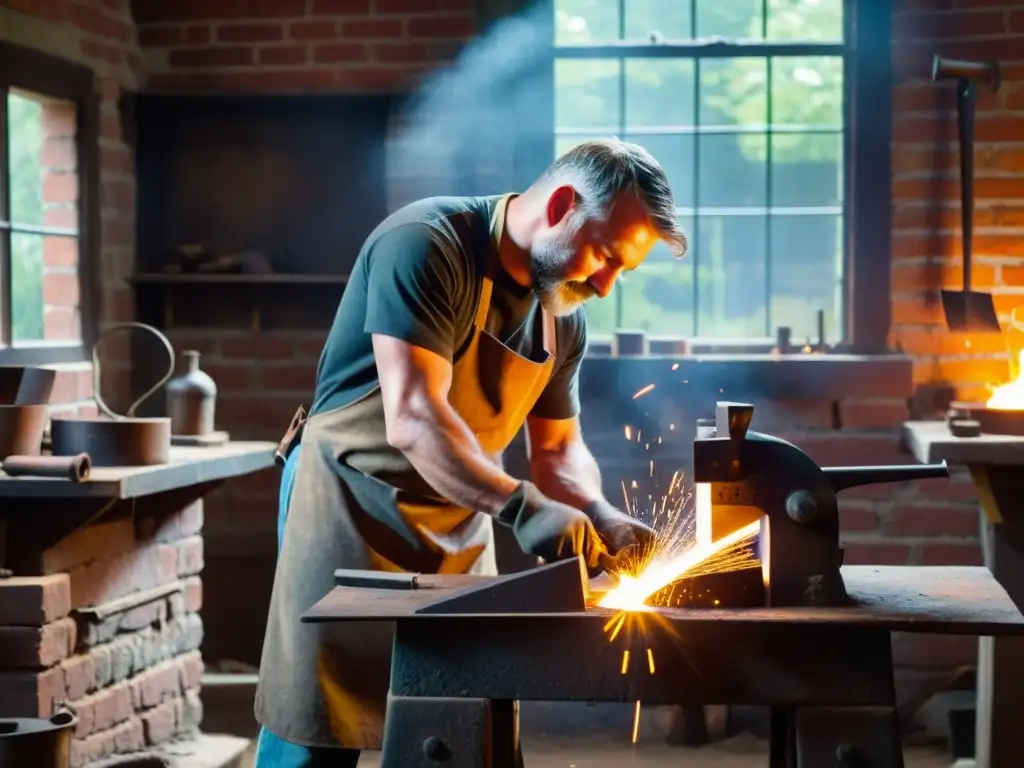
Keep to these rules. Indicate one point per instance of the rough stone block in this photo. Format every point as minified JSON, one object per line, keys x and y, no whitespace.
{"x":34,"y":600}
{"x":37,"y":647}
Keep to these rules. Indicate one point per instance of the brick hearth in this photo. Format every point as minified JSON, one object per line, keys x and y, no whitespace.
{"x":80,"y":633}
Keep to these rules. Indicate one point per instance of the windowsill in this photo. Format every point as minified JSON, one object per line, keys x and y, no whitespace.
{"x":752,"y":375}
{"x":47,"y":355}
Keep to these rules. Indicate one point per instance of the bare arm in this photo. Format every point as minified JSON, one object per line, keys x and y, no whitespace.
{"x":561,"y":465}
{"x":422,"y":425}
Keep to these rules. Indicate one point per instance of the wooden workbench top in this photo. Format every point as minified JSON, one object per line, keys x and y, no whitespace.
{"x":187,"y":467}
{"x":943,"y":600}
{"x":931,"y":442}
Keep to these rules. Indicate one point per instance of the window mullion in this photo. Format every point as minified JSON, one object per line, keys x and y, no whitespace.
{"x":5,"y":231}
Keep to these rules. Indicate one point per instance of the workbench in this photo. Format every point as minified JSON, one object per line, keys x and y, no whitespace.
{"x":995,"y":463}
{"x":826,"y":672}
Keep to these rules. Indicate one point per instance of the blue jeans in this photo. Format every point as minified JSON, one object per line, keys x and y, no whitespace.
{"x":272,"y":751}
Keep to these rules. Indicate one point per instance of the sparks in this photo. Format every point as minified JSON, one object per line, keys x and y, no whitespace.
{"x":629,"y":432}
{"x":643,"y":391}
{"x":650,"y":660}
{"x":636,"y":721}
{"x":625,"y":662}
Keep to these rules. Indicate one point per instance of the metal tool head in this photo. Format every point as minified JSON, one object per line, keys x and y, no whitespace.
{"x":985,"y":72}
{"x":970,"y":311}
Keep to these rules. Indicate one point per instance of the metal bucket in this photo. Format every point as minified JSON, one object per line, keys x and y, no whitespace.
{"x":36,"y":742}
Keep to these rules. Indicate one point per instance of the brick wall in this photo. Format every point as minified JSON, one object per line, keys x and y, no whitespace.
{"x":130,"y":670}
{"x":926,"y":227}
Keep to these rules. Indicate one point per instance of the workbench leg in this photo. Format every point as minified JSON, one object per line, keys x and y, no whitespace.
{"x":1000,"y":686}
{"x":421,"y":732}
{"x":854,"y":737}
{"x":781,"y":746}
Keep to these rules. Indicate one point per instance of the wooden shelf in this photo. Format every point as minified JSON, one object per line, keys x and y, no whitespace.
{"x":235,"y":278}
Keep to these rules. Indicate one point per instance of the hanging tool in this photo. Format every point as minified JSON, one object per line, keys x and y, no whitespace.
{"x":967,"y":310}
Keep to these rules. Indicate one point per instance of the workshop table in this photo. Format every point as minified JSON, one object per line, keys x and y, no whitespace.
{"x":460,"y":667}
{"x":995,"y":463}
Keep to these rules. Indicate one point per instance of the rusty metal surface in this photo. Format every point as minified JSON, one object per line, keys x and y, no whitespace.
{"x":26,"y":385}
{"x":131,"y":442}
{"x":940,"y":599}
{"x":554,"y":588}
{"x":73,"y":468}
{"x":573,"y":658}
{"x":21,"y":429}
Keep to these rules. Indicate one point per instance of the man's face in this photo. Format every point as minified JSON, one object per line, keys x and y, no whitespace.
{"x":574,"y":260}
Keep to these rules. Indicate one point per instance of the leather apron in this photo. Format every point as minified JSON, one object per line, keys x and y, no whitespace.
{"x":358,"y":503}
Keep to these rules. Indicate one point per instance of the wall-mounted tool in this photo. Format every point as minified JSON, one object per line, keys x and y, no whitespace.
{"x":751,"y":477}
{"x":112,"y":440}
{"x":967,"y":310}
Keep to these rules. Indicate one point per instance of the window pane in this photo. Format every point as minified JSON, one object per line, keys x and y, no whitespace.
{"x":732,"y":171}
{"x":669,"y":19}
{"x":44,"y":288}
{"x":805,"y":20}
{"x":41,"y":138}
{"x":659,"y":93}
{"x":807,"y":91}
{"x":601,"y":315}
{"x":586,"y":21}
{"x":731,"y":254}
{"x":658,"y":297}
{"x":587,"y":95}
{"x":675,"y":154}
{"x":733,"y":92}
{"x":807,"y":274}
{"x":737,"y":19}
{"x":807,"y":170}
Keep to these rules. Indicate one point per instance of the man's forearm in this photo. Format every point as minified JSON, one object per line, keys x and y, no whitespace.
{"x":569,"y":475}
{"x":445,"y":452}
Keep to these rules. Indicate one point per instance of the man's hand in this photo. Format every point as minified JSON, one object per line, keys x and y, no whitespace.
{"x":618,"y":529}
{"x":552,"y":530}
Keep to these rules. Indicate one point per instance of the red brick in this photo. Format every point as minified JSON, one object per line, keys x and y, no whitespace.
{"x":313,"y":30}
{"x":931,"y":520}
{"x":30,"y":694}
{"x":945,"y":26}
{"x":149,"y":11}
{"x":945,"y":490}
{"x":933,"y":651}
{"x":190,"y":556}
{"x":79,"y":675}
{"x":875,"y":553}
{"x":60,"y":187}
{"x":160,"y":723}
{"x":857,"y":516}
{"x":193,"y":594}
{"x":289,"y":378}
{"x":34,"y":647}
{"x":250,"y":33}
{"x":156,"y":685}
{"x":191,"y":668}
{"x":233,"y":377}
{"x":841,"y":449}
{"x":159,"y":527}
{"x":336,"y":7}
{"x":408,"y":6}
{"x":142,"y":569}
{"x":151,"y":36}
{"x":102,"y":540}
{"x":97,"y":23}
{"x":122,"y":739}
{"x":34,"y":600}
{"x":259,"y":346}
{"x":282,"y":55}
{"x":103,"y":709}
{"x":441,"y":26}
{"x":342,"y":52}
{"x":212,"y":57}
{"x":372,"y":28}
{"x":950,"y":553}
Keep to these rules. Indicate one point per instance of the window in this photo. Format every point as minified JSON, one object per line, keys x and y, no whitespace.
{"x":747,"y":105}
{"x":46,"y":158}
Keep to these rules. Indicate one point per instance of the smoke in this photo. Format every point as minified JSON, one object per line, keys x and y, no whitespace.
{"x":457,"y":135}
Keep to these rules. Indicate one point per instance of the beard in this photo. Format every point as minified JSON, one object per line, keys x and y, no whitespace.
{"x":549,"y":262}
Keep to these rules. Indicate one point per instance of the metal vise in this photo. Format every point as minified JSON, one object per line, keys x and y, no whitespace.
{"x":741,"y":477}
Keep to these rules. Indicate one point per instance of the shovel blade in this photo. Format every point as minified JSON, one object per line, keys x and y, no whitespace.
{"x":970,"y":311}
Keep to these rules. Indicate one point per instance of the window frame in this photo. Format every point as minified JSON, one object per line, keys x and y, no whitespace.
{"x":866,"y":52}
{"x":32,"y":70}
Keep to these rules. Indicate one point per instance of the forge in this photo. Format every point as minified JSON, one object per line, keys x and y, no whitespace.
{"x":809,"y":638}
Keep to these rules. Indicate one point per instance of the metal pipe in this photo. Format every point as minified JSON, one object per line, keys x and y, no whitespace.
{"x":842,"y":478}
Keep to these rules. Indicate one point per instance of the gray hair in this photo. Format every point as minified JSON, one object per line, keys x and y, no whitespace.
{"x":604,"y":169}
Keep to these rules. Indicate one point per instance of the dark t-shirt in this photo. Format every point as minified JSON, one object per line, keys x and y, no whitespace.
{"x":418,"y":278}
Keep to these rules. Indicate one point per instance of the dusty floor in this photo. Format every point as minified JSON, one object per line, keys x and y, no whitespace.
{"x":739,"y":752}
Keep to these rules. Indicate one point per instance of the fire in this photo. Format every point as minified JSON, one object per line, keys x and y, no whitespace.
{"x":1010,"y":396}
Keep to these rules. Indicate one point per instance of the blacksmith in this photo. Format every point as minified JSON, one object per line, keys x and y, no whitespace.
{"x":462,"y":321}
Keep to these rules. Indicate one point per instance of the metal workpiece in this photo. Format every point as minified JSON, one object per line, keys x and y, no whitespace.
{"x":753,"y":476}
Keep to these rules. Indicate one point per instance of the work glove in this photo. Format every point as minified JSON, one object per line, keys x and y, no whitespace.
{"x":552,"y":530}
{"x":618,"y":530}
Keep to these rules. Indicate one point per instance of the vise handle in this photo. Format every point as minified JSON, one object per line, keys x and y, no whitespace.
{"x":842,"y":478}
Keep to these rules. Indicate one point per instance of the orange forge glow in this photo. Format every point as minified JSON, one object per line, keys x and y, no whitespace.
{"x":1010,"y":396}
